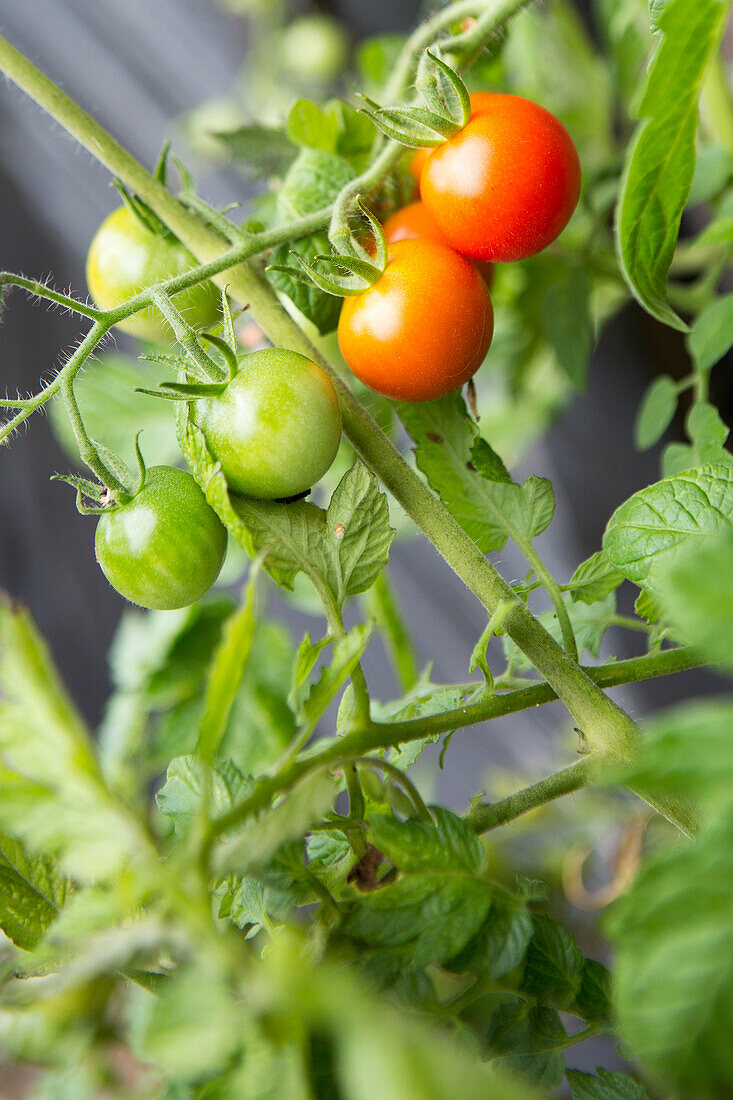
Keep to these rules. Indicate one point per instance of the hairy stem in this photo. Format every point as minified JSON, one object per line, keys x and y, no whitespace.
{"x":553,"y":590}
{"x":484,"y":816}
{"x":384,"y":735}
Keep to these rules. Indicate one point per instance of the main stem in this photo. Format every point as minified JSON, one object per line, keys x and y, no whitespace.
{"x":606,"y":727}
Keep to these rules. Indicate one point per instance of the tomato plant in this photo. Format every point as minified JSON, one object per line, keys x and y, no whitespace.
{"x":125,"y":257}
{"x":242,"y":882}
{"x":423,"y":329}
{"x":507,"y":184}
{"x":164,"y":547}
{"x":276,"y":427}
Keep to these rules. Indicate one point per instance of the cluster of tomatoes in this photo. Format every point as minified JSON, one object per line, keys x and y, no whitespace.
{"x":501,"y":189}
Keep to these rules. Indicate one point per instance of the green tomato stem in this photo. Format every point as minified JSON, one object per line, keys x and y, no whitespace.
{"x":385,"y":735}
{"x":553,"y":590}
{"x":484,"y":816}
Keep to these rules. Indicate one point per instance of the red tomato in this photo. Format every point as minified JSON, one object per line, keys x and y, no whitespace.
{"x":413,"y":222}
{"x":425,"y":326}
{"x":506,"y":185}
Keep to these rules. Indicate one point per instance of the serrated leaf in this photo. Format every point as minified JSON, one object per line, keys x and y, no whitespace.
{"x":553,"y":968}
{"x":657,"y":408}
{"x":437,"y":913}
{"x":358,"y":534}
{"x":31,"y":893}
{"x":444,"y":843}
{"x":463,"y":472}
{"x":659,"y":520}
{"x":312,"y":182}
{"x":180,"y":796}
{"x":660,"y":164}
{"x":712,"y":334}
{"x":593,"y":1002}
{"x":606,"y":1086}
{"x":499,"y":945}
{"x":594,"y":579}
{"x":528,"y":1041}
{"x":568,"y":323}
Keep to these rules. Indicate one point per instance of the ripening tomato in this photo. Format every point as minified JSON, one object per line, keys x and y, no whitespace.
{"x":164,"y":547}
{"x":125,"y":258}
{"x":410,"y":223}
{"x":506,"y":185}
{"x":413,"y":222}
{"x":276,"y":428}
{"x":423,"y":328}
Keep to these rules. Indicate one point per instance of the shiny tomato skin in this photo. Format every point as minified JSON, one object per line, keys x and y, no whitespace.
{"x":125,"y":258}
{"x":164,"y":548}
{"x":506,"y":185}
{"x":413,"y":221}
{"x":277,"y":426}
{"x":423,"y":329}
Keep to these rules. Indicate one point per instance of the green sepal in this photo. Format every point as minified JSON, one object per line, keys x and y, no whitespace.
{"x":364,"y":269}
{"x":88,"y":488}
{"x":412,"y":126}
{"x":185,"y":391}
{"x":161,"y":168}
{"x":305,"y":272}
{"x":447,"y":96}
{"x":142,"y":212}
{"x":140,"y":463}
{"x":222,"y":345}
{"x":380,"y":259}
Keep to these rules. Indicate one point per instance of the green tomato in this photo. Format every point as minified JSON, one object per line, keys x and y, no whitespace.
{"x":125,"y":258}
{"x":164,"y":547}
{"x":314,"y":47}
{"x":276,"y":427}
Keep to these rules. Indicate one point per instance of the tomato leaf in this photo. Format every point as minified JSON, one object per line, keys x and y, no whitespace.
{"x":31,"y":893}
{"x":180,"y":796}
{"x":527,"y":1040}
{"x":358,"y":535}
{"x":656,"y":521}
{"x":441,"y":844}
{"x":661,"y":161}
{"x":657,"y":408}
{"x":696,"y":592}
{"x":606,"y":1086}
{"x":553,"y":969}
{"x":594,"y":579}
{"x":307,"y":125}
{"x":712,"y":334}
{"x":471,"y":479}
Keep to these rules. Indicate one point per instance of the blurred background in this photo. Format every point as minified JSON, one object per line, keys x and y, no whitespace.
{"x":144,"y":71}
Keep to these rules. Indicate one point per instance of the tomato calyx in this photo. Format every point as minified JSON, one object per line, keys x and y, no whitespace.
{"x":364,"y":268}
{"x":447,"y":107}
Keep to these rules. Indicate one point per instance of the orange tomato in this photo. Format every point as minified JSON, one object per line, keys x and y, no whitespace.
{"x":412,"y":222}
{"x":505,"y":186}
{"x":423,"y":329}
